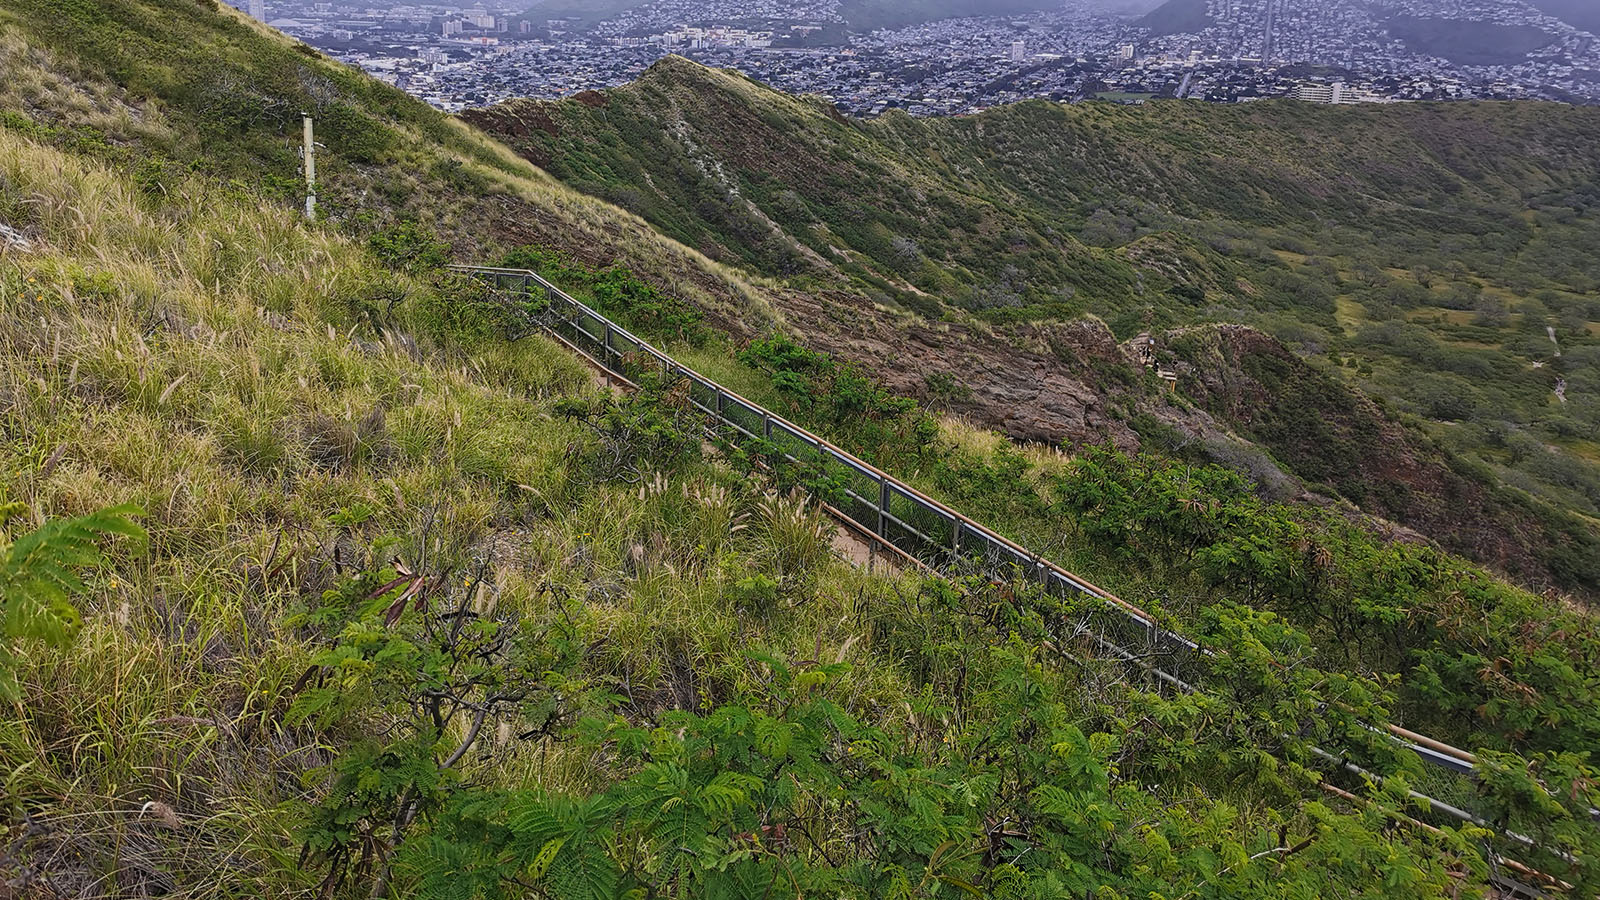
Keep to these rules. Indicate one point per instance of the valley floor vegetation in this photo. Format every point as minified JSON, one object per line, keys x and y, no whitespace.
{"x":420,"y":610}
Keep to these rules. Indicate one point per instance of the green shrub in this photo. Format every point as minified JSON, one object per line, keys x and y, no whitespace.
{"x":409,"y":247}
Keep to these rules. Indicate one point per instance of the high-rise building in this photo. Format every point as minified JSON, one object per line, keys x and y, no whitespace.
{"x":258,"y":10}
{"x":1019,"y":51}
{"x":1317,"y":93}
{"x":1125,"y":53}
{"x":1338,"y":92}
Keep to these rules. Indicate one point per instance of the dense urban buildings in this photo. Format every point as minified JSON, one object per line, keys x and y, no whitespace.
{"x":1334,"y":51}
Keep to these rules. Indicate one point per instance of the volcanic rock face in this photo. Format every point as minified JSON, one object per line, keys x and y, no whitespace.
{"x":1038,"y":383}
{"x":1243,"y":397}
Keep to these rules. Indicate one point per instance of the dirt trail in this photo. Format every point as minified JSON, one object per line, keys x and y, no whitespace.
{"x":864,"y":553}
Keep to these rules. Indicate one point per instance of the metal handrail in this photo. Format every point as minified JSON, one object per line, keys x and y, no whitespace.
{"x":1432,"y":751}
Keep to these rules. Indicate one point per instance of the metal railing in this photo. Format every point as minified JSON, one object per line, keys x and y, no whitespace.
{"x":888,"y":509}
{"x":875,"y":502}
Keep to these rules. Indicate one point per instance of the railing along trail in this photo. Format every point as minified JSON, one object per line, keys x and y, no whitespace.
{"x":889,"y":510}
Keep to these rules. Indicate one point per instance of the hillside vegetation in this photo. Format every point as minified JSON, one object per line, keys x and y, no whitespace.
{"x":1419,"y":253}
{"x":321,"y":573}
{"x":174,"y":87}
{"x":424,"y":612}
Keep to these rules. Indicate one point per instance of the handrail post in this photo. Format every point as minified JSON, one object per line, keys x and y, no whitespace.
{"x":883,"y":507}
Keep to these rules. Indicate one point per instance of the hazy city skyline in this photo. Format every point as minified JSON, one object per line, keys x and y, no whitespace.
{"x":928,"y":62}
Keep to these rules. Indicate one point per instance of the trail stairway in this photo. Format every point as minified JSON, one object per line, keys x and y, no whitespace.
{"x":907,"y":522}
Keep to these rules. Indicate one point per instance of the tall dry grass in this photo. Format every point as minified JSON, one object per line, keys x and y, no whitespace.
{"x":199,"y":356}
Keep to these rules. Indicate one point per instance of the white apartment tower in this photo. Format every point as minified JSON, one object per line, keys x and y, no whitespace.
{"x":1019,"y":51}
{"x":258,"y":10}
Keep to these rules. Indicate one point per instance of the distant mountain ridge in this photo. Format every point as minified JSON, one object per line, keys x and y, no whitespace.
{"x":1177,"y":17}
{"x":1152,"y":219}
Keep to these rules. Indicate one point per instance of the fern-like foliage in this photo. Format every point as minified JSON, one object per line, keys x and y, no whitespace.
{"x":39,"y":576}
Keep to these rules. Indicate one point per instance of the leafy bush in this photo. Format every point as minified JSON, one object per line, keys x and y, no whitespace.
{"x":1380,"y":606}
{"x":40,"y":576}
{"x":404,"y":639}
{"x":854,"y":407}
{"x":463,"y":311}
{"x":618,"y":293}
{"x":652,"y":429}
{"x":409,"y":247}
{"x":788,"y":791}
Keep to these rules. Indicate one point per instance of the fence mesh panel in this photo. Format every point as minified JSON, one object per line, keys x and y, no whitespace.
{"x":922,"y":522}
{"x":743,"y":416}
{"x":793,"y":444}
{"x":703,"y":394}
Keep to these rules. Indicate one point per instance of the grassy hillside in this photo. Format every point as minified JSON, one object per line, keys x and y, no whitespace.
{"x":422,"y":610}
{"x":180,"y":87}
{"x":209,"y":362}
{"x":1418,"y":253}
{"x":244,"y":711}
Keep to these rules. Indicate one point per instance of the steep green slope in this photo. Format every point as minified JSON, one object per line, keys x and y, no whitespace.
{"x":424,"y":611}
{"x":180,"y":86}
{"x":810,"y":193}
{"x":1420,"y":251}
{"x":245,"y":711}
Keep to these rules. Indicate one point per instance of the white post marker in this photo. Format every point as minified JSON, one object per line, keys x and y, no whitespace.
{"x":309,"y":152}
